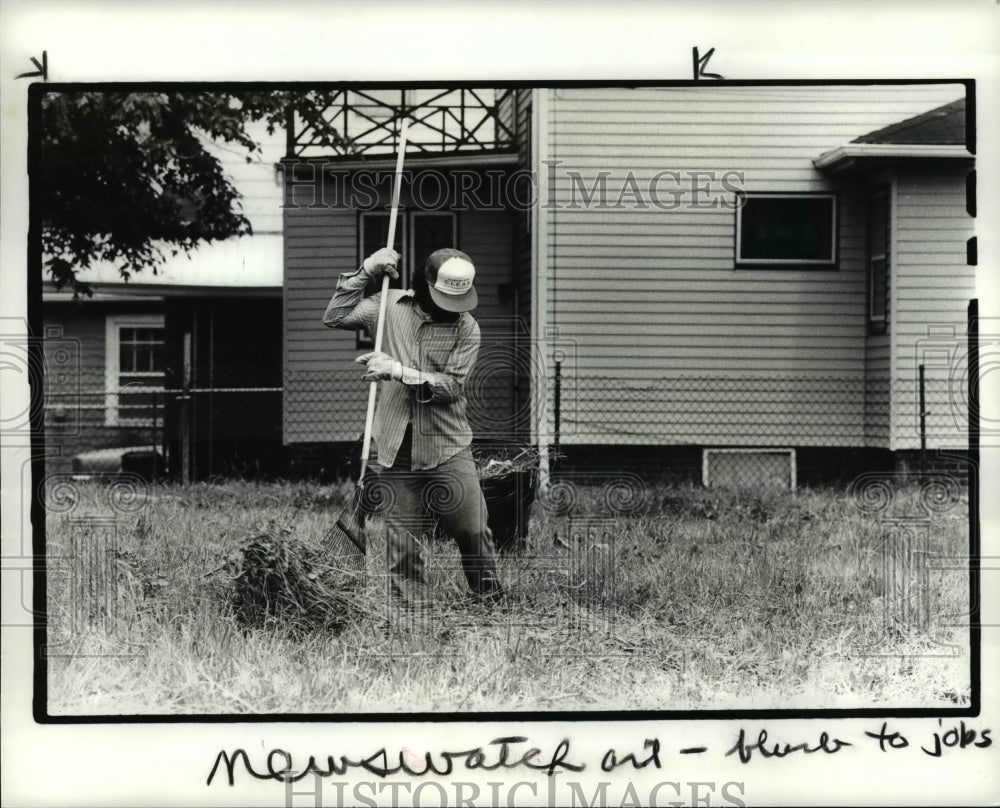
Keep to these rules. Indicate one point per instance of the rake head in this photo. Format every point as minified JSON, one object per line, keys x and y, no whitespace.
{"x":345,"y":540}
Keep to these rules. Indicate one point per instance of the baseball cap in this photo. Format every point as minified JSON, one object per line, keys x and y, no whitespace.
{"x":450,"y":274}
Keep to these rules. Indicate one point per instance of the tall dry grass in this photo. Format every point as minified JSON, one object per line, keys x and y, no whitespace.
{"x":695,"y":600}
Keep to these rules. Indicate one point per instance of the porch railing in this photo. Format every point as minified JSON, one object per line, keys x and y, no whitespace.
{"x":365,"y":124}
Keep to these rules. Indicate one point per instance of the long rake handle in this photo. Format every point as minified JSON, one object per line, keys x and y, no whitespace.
{"x":393,"y":215}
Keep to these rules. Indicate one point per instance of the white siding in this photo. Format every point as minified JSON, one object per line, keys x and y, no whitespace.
{"x":644,"y":295}
{"x":933,"y":286}
{"x":258,"y":181}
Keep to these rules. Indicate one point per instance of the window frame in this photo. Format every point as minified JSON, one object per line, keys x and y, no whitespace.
{"x":112,"y":364}
{"x":406,"y":221}
{"x":812,"y":264}
{"x":362,"y":341}
{"x":878,"y":324}
{"x":401,"y":224}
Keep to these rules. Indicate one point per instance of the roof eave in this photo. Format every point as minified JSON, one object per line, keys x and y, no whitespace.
{"x":470,"y":159}
{"x":154,"y":293}
{"x":848,"y":156}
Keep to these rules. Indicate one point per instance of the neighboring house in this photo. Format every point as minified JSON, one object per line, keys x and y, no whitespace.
{"x":210,"y":324}
{"x":185,"y":363}
{"x":751,"y":268}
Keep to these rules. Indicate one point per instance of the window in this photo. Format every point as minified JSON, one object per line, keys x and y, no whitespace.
{"x":418,"y":234}
{"x":134,"y":369}
{"x":878,"y":260}
{"x":429,"y":232}
{"x":786,"y":231}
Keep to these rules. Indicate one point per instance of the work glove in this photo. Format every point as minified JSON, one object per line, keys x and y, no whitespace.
{"x":380,"y":366}
{"x":382,"y":262}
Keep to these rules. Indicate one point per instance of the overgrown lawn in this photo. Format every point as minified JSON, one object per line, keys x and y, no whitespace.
{"x":690,"y":600}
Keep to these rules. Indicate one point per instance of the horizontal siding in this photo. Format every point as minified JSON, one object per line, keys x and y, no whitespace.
{"x":714,"y":410}
{"x":324,"y":400}
{"x":933,"y":286}
{"x":258,"y":181}
{"x":324,"y":397}
{"x":645,"y":292}
{"x":491,"y":387}
{"x":877,"y":398}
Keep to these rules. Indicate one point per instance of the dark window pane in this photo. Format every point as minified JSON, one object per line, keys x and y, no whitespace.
{"x":877,"y":224}
{"x":878,"y":260}
{"x":787,"y":228}
{"x":431,"y":231}
{"x":374,"y":232}
{"x":879,"y":290}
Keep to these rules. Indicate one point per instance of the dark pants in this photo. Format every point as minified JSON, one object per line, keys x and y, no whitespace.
{"x":449,"y":494}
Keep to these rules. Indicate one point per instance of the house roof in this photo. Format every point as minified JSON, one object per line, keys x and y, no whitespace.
{"x":936,"y":134}
{"x":942,"y":126}
{"x":252,"y":265}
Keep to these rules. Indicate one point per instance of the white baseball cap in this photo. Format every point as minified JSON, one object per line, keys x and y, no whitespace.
{"x":450,"y":275}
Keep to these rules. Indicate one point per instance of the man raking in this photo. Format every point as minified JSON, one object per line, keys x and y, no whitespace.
{"x":421,"y":432}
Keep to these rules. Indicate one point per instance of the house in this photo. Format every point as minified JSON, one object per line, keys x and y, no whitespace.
{"x":183,"y":364}
{"x":186,"y":363}
{"x":687,"y":278}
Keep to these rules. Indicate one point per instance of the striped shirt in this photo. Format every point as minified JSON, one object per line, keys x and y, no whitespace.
{"x":445,"y":353}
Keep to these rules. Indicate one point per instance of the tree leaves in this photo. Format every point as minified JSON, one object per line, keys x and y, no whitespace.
{"x":125,"y":177}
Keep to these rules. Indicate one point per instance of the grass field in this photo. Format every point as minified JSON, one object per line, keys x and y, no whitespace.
{"x":695,"y":600}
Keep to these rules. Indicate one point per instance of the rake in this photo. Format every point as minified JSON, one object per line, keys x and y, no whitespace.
{"x":346,"y":539}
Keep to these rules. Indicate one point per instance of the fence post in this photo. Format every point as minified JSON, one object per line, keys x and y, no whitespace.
{"x":184,"y":412}
{"x":923,"y":416}
{"x":162,"y":436}
{"x":557,"y":406}
{"x":154,"y":438}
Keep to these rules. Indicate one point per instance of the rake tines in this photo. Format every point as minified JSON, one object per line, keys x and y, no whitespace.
{"x":345,"y":540}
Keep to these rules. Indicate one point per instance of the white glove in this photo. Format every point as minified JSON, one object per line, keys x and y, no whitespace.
{"x":380,"y":366}
{"x":382,"y":262}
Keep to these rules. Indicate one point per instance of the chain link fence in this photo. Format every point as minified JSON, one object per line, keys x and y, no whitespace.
{"x":747,"y":425}
{"x":754,"y":429}
{"x":241,"y":430}
{"x":757,"y":410}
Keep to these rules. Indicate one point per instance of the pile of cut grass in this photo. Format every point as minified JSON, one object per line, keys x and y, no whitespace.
{"x":278,"y":580}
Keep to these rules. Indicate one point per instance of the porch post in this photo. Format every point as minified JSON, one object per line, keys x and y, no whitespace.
{"x":540,"y":429}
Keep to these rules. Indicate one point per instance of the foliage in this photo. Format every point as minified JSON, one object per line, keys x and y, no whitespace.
{"x":126,"y":178}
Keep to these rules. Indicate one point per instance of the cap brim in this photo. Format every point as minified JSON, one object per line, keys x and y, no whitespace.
{"x":456,"y":304}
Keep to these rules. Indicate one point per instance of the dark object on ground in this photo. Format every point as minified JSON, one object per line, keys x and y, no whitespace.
{"x":509,"y":477}
{"x":145,"y":461}
{"x":280,"y":580}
